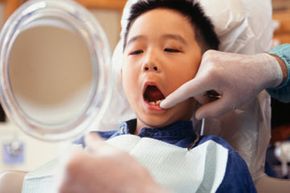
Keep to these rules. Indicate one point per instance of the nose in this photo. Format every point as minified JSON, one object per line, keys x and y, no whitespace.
{"x":151,"y":67}
{"x":151,"y":64}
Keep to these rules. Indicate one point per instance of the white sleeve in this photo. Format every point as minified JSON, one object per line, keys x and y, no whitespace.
{"x":243,"y":26}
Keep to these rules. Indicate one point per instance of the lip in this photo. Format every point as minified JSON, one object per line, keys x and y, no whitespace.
{"x":147,"y":104}
{"x":154,"y":107}
{"x":151,"y":83}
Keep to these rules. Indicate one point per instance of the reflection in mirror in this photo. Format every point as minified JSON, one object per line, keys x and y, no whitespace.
{"x":51,"y":74}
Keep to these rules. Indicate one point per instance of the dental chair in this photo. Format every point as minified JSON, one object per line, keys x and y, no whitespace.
{"x":249,"y":132}
{"x":248,"y":128}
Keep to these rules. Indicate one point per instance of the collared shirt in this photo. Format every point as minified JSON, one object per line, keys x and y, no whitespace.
{"x":180,"y":133}
{"x":237,"y":178}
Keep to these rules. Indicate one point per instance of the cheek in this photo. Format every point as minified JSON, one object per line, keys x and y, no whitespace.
{"x":125,"y":81}
{"x":186,"y":70}
{"x":129,"y":82}
{"x":191,"y":64}
{"x":184,"y":75}
{"x":196,"y":58}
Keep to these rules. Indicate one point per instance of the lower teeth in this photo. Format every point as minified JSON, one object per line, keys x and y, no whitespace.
{"x":156,"y":103}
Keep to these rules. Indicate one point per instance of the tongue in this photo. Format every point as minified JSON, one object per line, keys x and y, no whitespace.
{"x":153,"y":94}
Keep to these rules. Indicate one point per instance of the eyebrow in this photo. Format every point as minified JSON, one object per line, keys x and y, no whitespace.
{"x":135,"y":38}
{"x":165,"y":36}
{"x":174,"y":37}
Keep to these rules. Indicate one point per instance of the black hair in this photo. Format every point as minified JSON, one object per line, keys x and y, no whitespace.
{"x":205,"y":34}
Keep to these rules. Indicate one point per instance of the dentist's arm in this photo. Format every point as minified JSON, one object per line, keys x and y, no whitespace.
{"x":282,"y":92}
{"x":105,"y":169}
{"x":237,"y":78}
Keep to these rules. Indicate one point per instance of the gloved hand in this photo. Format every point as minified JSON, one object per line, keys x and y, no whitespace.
{"x":236,"y":78}
{"x":103,"y":168}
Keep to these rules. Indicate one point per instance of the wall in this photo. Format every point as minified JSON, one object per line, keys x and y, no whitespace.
{"x":1,"y":14}
{"x":281,"y":14}
{"x":110,"y":21}
{"x":35,"y":153}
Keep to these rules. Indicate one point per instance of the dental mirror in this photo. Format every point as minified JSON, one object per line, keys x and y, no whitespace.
{"x":54,"y":62}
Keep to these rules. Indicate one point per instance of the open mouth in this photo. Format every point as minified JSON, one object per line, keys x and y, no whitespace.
{"x":153,"y":95}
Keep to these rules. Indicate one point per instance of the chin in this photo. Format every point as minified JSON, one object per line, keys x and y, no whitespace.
{"x":155,"y":122}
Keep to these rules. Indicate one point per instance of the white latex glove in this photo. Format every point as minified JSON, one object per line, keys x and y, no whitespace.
{"x":103,"y":168}
{"x":237,"y":78}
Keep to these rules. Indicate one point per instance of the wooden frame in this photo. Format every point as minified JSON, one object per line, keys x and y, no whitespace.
{"x":282,"y":34}
{"x":103,"y":4}
{"x":12,"y":5}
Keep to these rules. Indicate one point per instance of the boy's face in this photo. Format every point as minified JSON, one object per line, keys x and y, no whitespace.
{"x":161,"y":54}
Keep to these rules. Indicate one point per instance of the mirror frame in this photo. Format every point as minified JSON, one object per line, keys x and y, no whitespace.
{"x":83,"y":22}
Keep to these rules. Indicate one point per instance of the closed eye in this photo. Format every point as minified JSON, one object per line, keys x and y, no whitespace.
{"x":171,"y":50}
{"x":136,"y":52}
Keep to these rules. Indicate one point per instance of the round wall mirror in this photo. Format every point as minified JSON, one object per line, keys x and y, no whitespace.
{"x":54,"y":60}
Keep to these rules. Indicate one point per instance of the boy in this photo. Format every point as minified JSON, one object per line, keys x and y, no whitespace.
{"x":163,"y":45}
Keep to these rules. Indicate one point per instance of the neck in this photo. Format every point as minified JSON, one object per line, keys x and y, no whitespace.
{"x":140,"y":125}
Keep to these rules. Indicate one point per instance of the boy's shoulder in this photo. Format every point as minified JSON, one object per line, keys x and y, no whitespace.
{"x":216,"y":139}
{"x":107,"y":134}
{"x":237,"y":176}
{"x":103,"y":134}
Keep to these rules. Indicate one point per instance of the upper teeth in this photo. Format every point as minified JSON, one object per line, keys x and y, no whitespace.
{"x":155,"y":102}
